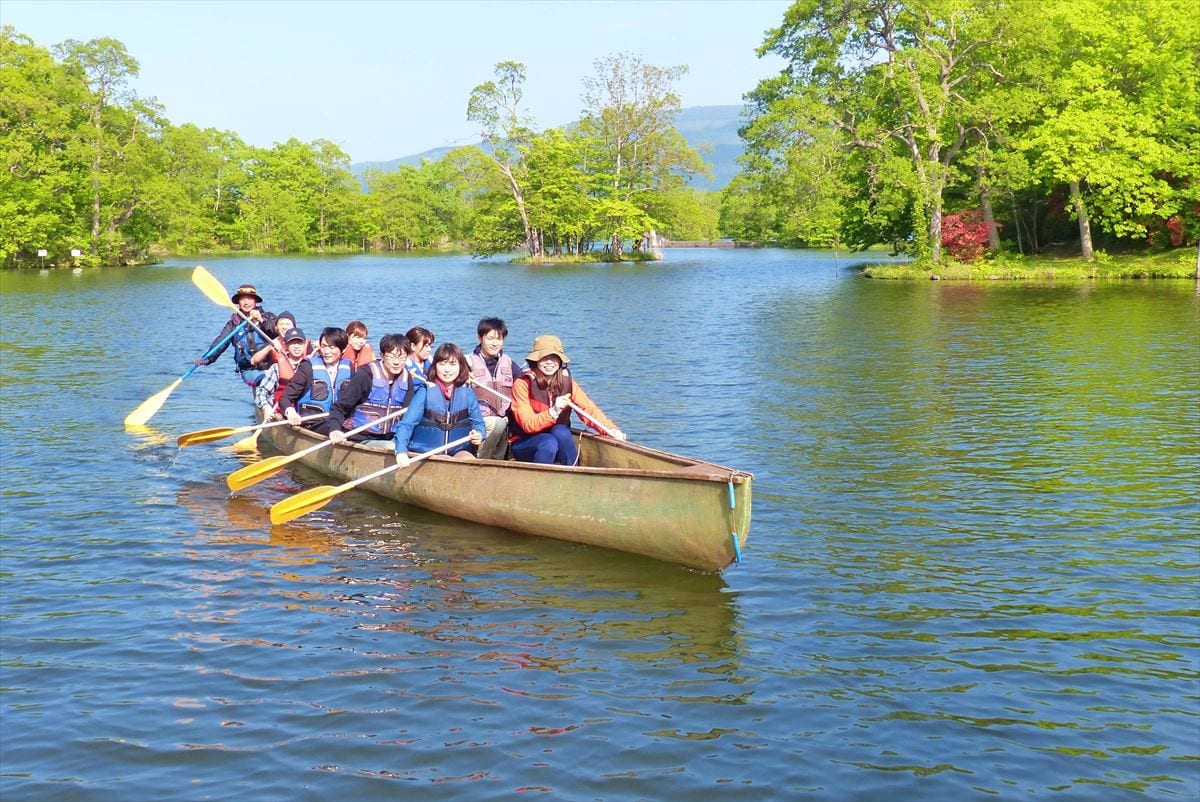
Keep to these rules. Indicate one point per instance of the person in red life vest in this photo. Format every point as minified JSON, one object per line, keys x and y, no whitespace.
{"x":376,"y":390}
{"x":540,"y":415}
{"x":420,"y":343}
{"x":493,"y":373}
{"x":445,"y":409}
{"x":358,"y":350}
{"x":247,"y":341}
{"x":284,"y":322}
{"x":317,"y":382}
{"x":296,"y":349}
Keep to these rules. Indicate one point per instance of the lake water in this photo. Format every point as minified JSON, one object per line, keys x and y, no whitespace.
{"x":973,"y":570}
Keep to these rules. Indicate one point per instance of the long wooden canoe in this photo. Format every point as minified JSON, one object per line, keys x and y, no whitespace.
{"x":621,"y":496}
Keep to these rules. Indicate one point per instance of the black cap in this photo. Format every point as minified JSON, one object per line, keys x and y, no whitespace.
{"x":293,"y":335}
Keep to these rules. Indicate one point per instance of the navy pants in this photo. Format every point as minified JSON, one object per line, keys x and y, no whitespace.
{"x":555,"y":445}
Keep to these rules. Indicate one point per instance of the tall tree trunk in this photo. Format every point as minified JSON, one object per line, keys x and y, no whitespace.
{"x":1017,"y":226}
{"x":1085,"y":228}
{"x":935,"y":231}
{"x":96,"y":203}
{"x":989,"y":217}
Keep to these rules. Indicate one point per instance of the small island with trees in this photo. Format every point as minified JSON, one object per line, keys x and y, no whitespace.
{"x":987,"y":140}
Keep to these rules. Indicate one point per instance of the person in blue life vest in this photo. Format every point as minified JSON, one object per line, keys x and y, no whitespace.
{"x":443,"y":410}
{"x":376,"y":389}
{"x":318,"y":381}
{"x":247,"y":341}
{"x":420,"y":343}
{"x":493,"y":373}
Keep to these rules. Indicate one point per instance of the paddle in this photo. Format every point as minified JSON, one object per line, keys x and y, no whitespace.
{"x":221,"y":432}
{"x":570,"y":403}
{"x":255,"y":473}
{"x":146,"y":410}
{"x":315,"y":498}
{"x":247,"y":443}
{"x":208,"y":284}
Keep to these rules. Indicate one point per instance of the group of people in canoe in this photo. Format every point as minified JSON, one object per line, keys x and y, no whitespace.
{"x":410,"y":397}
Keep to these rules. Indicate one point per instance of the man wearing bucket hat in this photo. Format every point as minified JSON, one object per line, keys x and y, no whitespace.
{"x":542,"y":401}
{"x":246,"y":341}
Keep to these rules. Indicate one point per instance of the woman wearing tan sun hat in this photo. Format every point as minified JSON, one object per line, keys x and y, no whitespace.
{"x":542,"y":400}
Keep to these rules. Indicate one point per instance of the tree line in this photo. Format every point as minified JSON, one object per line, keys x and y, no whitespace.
{"x":92,"y":166}
{"x":933,"y":125}
{"x":914,"y":122}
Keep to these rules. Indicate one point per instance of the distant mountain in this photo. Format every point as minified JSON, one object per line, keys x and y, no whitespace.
{"x":713,"y":130}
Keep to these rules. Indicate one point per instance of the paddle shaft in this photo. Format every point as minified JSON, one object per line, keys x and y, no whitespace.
{"x":398,"y":465}
{"x":353,"y":431}
{"x":270,"y":340}
{"x":208,"y":284}
{"x":315,"y":498}
{"x":570,"y":403}
{"x":221,"y":432}
{"x":220,"y":344}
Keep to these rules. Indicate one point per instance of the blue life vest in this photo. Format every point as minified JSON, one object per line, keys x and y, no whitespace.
{"x":385,"y":398}
{"x":246,"y":343}
{"x":440,"y":415}
{"x":323,"y":390}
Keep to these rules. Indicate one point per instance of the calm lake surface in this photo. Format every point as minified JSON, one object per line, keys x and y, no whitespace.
{"x":973,"y":570}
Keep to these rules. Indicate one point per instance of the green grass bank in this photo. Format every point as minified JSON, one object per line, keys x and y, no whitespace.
{"x":1177,"y":263}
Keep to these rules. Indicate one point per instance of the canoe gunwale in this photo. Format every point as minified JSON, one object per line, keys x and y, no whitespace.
{"x":691,"y":512}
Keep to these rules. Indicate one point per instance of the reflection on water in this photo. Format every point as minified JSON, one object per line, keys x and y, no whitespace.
{"x":403,"y":560}
{"x":971,"y":573}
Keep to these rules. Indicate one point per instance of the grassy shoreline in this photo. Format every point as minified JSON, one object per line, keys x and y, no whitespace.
{"x":1177,"y":263}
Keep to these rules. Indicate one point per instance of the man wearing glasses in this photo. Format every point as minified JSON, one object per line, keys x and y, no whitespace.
{"x":376,"y":390}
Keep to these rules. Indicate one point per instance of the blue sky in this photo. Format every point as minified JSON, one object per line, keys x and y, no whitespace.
{"x":388,"y":79}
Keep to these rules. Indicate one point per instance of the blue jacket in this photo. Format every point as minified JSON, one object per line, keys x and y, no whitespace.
{"x":432,"y":422}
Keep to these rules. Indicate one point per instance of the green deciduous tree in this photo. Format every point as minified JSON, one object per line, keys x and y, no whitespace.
{"x":40,"y":115}
{"x":889,"y":76}
{"x":1119,"y":115}
{"x":506,"y":129}
{"x":630,"y":109}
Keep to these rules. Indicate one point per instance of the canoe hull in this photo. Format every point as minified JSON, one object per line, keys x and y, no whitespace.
{"x":641,"y":501}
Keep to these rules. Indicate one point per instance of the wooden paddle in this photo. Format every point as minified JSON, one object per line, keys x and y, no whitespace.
{"x":570,"y":403}
{"x":145,"y":410}
{"x":264,"y":469}
{"x":208,"y":284}
{"x":221,"y":432}
{"x":315,"y":498}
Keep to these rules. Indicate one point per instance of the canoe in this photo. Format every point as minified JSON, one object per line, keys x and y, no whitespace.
{"x":621,"y":496}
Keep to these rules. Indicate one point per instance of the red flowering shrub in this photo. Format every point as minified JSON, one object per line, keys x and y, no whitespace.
{"x":965,"y":235}
{"x":1170,"y":232}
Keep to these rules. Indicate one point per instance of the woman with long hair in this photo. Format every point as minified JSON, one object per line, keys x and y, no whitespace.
{"x":542,"y":400}
{"x":420,"y":341}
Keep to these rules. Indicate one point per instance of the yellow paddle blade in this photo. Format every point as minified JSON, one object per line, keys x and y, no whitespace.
{"x":247,"y":443}
{"x":145,"y":410}
{"x":253,"y":474}
{"x":302,"y":503}
{"x":208,"y":284}
{"x":204,"y":436}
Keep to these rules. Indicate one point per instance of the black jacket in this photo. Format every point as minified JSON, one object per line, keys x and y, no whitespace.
{"x":268,"y":325}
